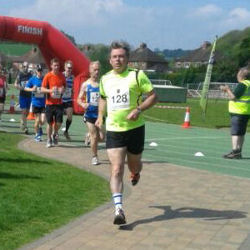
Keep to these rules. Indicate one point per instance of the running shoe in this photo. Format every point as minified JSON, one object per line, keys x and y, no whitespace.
{"x":119,"y":217}
{"x":38,"y":138}
{"x":49,"y":144}
{"x":95,"y":161}
{"x":66,"y":134}
{"x":134,"y":178}
{"x":26,"y":131}
{"x":235,"y":154}
{"x":55,"y":139}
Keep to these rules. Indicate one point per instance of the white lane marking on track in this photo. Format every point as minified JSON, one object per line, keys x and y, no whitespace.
{"x":185,"y":138}
{"x":154,"y":119}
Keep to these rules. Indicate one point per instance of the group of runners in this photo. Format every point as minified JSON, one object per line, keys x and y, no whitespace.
{"x":116,"y":98}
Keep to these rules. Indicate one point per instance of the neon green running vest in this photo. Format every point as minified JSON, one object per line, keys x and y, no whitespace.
{"x":241,"y":105}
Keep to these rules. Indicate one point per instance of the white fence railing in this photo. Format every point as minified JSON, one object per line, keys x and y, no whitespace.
{"x":194,"y":89}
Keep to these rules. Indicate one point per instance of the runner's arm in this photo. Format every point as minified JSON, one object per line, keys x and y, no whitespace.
{"x":82,"y":93}
{"x":101,"y":111}
{"x":150,"y":100}
{"x":17,"y":83}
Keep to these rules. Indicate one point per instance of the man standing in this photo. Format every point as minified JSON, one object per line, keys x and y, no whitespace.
{"x":239,"y":109}
{"x":24,"y":96}
{"x":53,"y":85}
{"x":121,"y":90}
{"x":67,"y":96}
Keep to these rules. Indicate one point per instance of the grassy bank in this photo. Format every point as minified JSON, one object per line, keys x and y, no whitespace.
{"x":38,"y":195}
{"x":15,"y":49}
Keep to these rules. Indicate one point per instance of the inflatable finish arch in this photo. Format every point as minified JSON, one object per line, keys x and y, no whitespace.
{"x":51,"y":42}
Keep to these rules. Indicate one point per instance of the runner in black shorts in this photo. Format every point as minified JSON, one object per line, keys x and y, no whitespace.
{"x":67,"y":96}
{"x":90,"y":90}
{"x":53,"y":85}
{"x":120,"y":94}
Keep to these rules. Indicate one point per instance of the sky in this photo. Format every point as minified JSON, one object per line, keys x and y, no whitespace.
{"x":162,"y":24}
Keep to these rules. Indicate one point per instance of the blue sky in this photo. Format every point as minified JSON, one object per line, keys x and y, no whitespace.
{"x":162,"y":24}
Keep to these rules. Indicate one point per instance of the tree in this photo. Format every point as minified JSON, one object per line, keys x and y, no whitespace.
{"x":244,"y":52}
{"x":98,"y":52}
{"x":71,"y":38}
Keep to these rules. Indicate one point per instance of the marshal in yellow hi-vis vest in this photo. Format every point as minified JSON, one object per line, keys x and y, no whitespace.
{"x":242,"y":104}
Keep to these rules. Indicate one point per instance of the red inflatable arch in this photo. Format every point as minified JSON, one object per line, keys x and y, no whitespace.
{"x":51,"y":42}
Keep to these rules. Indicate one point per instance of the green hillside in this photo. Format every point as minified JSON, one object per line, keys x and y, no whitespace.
{"x":16,"y":49}
{"x":234,"y":42}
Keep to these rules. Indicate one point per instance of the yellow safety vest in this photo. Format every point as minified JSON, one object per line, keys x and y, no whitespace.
{"x":241,"y":105}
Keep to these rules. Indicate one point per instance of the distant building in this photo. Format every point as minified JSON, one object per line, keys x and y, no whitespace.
{"x":33,"y":57}
{"x":145,"y":59}
{"x":196,"y":58}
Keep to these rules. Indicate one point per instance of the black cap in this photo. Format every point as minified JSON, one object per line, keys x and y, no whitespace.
{"x":39,"y":67}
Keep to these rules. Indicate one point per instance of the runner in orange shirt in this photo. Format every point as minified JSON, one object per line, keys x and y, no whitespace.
{"x":53,"y":85}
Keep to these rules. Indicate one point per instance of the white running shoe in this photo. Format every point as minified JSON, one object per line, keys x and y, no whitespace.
{"x":95,"y":161}
{"x":119,"y":217}
{"x":49,"y":144}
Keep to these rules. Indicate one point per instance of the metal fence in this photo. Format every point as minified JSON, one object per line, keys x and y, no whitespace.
{"x":161,"y":82}
{"x":194,"y":89}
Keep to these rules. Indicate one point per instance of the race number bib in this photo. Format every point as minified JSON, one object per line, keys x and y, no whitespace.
{"x":119,"y":98}
{"x":23,"y":83}
{"x":94,"y":97}
{"x":38,"y":93}
{"x":67,"y":93}
{"x":56,"y":94}
{"x":1,"y":92}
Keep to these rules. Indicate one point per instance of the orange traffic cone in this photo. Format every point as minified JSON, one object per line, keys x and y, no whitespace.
{"x":31,"y":114}
{"x":186,"y":123}
{"x":12,"y":104}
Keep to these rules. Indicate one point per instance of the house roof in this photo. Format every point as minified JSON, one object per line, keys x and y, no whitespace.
{"x":32,"y":56}
{"x":199,"y":55}
{"x":144,"y":54}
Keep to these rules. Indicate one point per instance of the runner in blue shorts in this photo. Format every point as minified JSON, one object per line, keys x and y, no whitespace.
{"x":38,"y":101}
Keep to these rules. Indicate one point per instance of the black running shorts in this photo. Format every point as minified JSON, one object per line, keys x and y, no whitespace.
{"x":132,"y":139}
{"x":38,"y":110}
{"x":54,"y":113}
{"x":67,"y":105}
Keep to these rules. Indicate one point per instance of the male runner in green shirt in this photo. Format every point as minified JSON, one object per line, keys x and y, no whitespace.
{"x":121,"y":92}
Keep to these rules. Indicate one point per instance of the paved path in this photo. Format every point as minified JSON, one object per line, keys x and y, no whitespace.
{"x":172,"y":207}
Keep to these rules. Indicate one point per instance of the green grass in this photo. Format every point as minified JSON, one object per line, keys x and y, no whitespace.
{"x":38,"y":195}
{"x":217,"y":115}
{"x":16,"y":49}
